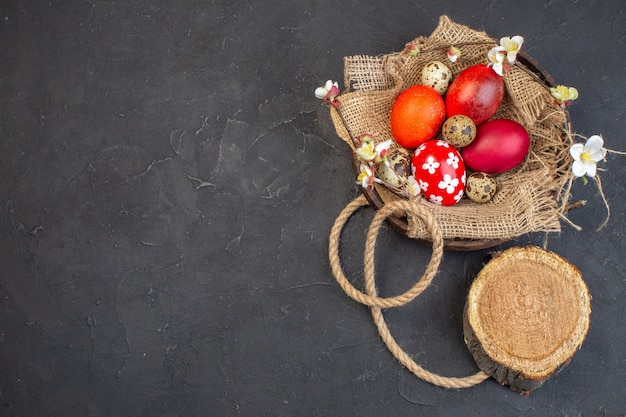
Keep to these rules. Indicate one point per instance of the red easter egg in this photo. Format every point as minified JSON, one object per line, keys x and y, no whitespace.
{"x":439,"y":170}
{"x":476,"y":92}
{"x":500,"y":145}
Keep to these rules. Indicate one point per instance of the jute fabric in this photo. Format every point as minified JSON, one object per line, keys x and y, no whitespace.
{"x":530,"y":198}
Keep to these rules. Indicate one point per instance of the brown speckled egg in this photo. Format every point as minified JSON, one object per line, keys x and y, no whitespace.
{"x":437,"y":75}
{"x":459,"y":130}
{"x":480,"y":187}
{"x":399,"y":162}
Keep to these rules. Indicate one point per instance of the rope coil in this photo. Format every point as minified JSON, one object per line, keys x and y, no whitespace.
{"x":371,"y":299}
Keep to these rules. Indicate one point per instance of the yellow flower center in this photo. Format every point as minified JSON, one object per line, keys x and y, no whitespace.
{"x":586,"y":157}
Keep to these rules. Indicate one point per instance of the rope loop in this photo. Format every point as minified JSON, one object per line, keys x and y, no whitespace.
{"x":395,"y":208}
{"x":371,"y":298}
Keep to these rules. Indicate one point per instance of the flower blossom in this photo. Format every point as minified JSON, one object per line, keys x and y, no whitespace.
{"x":364,"y":138}
{"x":366,"y":177}
{"x":511,"y":46}
{"x":371,"y":153}
{"x":587,"y":156}
{"x":454,"y":53}
{"x":366,"y":151}
{"x":382,"y":151}
{"x":328,"y":92}
{"x":564,"y":95}
{"x":412,"y":49}
{"x":508,"y":48}
{"x":496,"y":60}
{"x":412,"y":186}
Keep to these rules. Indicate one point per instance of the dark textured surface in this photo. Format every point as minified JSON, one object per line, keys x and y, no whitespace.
{"x":168,"y":185}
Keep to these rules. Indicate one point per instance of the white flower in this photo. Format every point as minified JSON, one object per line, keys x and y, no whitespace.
{"x":366,"y":152}
{"x":511,"y":46}
{"x":587,"y":156}
{"x":496,"y":60}
{"x":329,"y":93}
{"x":431,"y":165}
{"x":508,"y":49}
{"x":321,"y":92}
{"x":382,"y":151}
{"x":373,"y":153}
{"x":412,"y":186}
{"x":366,"y":177}
{"x":452,"y":160}
{"x":448,"y":183}
{"x":442,"y":143}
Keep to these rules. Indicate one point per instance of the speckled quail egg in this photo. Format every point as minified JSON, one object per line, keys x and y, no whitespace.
{"x":459,"y":130}
{"x":437,"y":75}
{"x":398,"y":170}
{"x":480,"y":187}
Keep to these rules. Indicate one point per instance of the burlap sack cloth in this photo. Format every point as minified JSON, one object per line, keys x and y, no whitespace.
{"x":530,"y":198}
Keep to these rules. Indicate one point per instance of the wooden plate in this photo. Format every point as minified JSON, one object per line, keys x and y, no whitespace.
{"x":527,"y":314}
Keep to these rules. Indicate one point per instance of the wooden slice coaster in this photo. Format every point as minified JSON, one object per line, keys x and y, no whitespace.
{"x":526,"y":315}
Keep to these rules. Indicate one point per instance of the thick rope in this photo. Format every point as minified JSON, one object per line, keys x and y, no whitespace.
{"x":387,"y":210}
{"x":372,"y":300}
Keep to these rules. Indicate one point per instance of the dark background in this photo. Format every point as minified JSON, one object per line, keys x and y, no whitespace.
{"x":168,"y":184}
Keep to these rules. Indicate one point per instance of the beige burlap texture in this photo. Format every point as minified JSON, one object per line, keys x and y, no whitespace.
{"x":530,"y":198}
